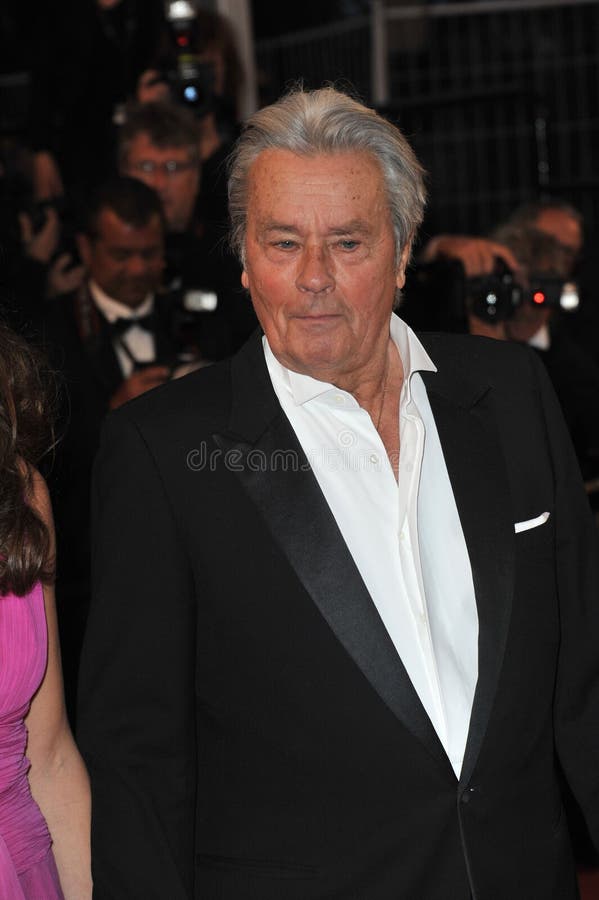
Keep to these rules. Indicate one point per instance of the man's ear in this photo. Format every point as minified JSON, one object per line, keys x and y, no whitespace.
{"x":245,"y":281}
{"x":400,"y":278}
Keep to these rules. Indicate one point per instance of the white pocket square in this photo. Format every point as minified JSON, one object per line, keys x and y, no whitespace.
{"x":531,"y":523}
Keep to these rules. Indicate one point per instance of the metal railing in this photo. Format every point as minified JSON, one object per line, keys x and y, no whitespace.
{"x":499,"y":97}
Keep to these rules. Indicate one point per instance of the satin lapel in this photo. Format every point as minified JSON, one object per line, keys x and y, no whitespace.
{"x":103,"y":361}
{"x":165,"y":344}
{"x":471,"y":445}
{"x":276,"y":475}
{"x":94,"y":339}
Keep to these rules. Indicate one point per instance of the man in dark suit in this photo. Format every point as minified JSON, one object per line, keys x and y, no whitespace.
{"x":344,"y":626}
{"x":111,"y":340}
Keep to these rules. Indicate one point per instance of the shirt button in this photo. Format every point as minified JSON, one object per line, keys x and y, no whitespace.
{"x":339,"y":399}
{"x":373,"y":458}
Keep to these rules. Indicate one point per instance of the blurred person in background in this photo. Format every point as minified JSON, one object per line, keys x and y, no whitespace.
{"x":111,"y":339}
{"x":573,"y":372}
{"x":44,"y":795}
{"x":158,"y":144}
{"x":89,"y":55}
{"x":542,"y":239}
{"x":214,"y":99}
{"x":83,"y":59}
{"x":556,"y":218}
{"x":38,"y":265}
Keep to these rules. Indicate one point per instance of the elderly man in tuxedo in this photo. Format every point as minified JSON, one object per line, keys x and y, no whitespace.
{"x":345,"y":624}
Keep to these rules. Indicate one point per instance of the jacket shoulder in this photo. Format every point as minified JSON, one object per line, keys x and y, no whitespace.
{"x":201,"y":400}
{"x":479,"y":356}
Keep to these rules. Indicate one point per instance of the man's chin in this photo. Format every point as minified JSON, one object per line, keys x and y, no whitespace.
{"x":321,"y":363}
{"x":132,"y":300}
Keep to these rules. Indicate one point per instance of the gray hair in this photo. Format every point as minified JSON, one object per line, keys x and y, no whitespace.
{"x":328,"y":121}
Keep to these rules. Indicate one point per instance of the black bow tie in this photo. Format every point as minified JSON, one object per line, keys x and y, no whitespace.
{"x":120,"y":326}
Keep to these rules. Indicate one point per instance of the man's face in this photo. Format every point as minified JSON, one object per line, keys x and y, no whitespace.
{"x":171,"y":172}
{"x":124,"y":261}
{"x":320,"y":262}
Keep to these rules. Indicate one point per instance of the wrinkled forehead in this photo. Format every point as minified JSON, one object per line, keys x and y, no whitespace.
{"x":280,"y":176}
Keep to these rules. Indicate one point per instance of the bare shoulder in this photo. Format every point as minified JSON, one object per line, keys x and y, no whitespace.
{"x":39,"y":498}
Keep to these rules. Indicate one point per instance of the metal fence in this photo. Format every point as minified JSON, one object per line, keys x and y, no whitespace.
{"x":499,"y":97}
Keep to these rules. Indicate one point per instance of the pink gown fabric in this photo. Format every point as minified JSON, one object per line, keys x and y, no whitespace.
{"x":27,"y":868}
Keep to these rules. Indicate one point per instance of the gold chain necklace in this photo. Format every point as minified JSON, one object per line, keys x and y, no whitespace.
{"x":380,"y":415}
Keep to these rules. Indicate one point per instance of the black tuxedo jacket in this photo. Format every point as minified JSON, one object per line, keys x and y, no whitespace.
{"x":90,"y":373}
{"x":249,"y":728}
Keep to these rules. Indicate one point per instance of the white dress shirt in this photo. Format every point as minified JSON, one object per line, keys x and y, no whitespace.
{"x":405,"y":537}
{"x":138,"y":341}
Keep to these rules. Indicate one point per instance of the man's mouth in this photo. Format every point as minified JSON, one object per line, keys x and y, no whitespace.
{"x":317,"y":317}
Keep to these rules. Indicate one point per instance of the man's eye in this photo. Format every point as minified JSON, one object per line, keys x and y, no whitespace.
{"x":348,"y":244}
{"x":285,"y":245}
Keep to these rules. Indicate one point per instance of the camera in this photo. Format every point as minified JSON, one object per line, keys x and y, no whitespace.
{"x":190,"y":80}
{"x":496,"y":297}
{"x":37,"y":211}
{"x":438,"y":296}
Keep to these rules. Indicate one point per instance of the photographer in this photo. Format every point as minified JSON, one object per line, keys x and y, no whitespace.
{"x":487,"y":287}
{"x":200,"y":67}
{"x":103,"y":46}
{"x":36,"y":263}
{"x":573,"y":372}
{"x":158,"y":144}
{"x":112,"y":339}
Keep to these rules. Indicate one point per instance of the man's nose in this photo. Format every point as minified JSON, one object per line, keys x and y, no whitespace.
{"x":136,"y":265}
{"x":157,"y":179}
{"x":315,"y":273}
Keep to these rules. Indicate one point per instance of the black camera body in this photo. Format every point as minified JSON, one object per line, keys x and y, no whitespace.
{"x":496,"y":297}
{"x":438,"y":296}
{"x":37,"y":211}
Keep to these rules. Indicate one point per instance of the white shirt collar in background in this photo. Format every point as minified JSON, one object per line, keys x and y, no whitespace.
{"x":139,"y":342}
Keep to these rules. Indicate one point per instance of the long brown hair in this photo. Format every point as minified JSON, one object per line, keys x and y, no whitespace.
{"x":27,"y":402}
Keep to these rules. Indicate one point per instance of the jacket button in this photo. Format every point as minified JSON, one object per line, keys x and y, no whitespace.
{"x":467,"y":795}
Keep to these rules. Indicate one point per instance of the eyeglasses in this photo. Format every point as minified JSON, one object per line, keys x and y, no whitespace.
{"x":169,"y":167}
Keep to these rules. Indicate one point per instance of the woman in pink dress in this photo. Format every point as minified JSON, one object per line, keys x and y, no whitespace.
{"x":44,"y":791}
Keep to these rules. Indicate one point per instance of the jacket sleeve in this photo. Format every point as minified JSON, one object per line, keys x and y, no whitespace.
{"x":136,"y":710}
{"x":576,"y":704}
